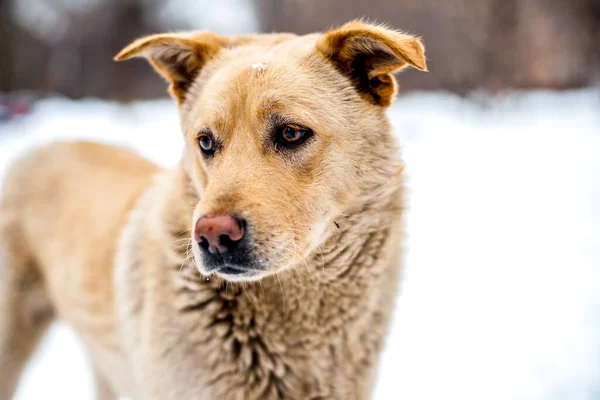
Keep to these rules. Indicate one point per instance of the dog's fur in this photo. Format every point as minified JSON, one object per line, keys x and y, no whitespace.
{"x":101,"y":238}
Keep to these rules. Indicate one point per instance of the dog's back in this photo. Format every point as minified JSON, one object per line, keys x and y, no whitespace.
{"x":78,"y":192}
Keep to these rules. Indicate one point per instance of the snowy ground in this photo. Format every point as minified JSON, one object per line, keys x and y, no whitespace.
{"x":501,"y":294}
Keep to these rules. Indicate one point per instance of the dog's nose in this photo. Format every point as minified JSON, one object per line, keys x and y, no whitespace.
{"x":219,"y":234}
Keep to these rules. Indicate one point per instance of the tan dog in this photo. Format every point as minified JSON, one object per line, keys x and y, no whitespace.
{"x":264,"y":267}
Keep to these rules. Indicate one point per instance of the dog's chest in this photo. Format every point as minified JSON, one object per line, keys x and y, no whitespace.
{"x":251,"y":352}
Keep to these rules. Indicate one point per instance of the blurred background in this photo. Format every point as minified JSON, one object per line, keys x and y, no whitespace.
{"x":501,"y":291}
{"x":66,"y":46}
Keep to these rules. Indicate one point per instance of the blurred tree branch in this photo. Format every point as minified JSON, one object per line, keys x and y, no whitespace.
{"x":490,"y":44}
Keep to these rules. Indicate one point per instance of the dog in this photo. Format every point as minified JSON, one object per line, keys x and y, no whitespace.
{"x":264,"y":266}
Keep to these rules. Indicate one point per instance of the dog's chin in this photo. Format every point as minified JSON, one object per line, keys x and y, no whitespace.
{"x":232,"y":273}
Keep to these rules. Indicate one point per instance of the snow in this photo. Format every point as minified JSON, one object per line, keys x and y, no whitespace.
{"x":500,"y":298}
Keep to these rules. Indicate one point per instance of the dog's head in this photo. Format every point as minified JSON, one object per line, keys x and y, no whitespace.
{"x":283,"y":134}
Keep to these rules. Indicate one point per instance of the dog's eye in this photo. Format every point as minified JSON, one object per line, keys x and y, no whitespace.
{"x":206,"y":143}
{"x":292,"y":136}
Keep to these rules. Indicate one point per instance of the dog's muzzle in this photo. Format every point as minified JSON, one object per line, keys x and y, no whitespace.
{"x":224,"y":243}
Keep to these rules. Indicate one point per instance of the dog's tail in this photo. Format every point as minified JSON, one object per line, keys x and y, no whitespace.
{"x":25,"y":308}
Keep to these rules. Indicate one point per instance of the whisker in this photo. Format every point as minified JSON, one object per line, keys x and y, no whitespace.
{"x":282,"y":294}
{"x":246,"y":293}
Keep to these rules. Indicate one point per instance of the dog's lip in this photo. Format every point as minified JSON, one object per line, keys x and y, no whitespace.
{"x":229,"y":272}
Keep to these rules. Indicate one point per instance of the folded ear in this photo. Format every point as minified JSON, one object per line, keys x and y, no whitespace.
{"x":177,"y":57}
{"x":369,"y":55}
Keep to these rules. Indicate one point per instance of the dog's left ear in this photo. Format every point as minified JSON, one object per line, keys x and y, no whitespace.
{"x":177,"y":57}
{"x":369,"y":55}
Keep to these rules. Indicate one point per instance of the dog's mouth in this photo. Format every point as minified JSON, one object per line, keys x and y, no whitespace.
{"x":229,"y":247}
{"x":233,"y":273}
{"x":240,"y":265}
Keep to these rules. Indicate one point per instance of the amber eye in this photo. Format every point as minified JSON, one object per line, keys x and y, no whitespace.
{"x":292,"y":135}
{"x":206,"y":143}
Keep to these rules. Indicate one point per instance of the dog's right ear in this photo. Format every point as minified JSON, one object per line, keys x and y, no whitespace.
{"x":177,"y":57}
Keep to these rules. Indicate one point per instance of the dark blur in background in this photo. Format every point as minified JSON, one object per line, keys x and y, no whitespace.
{"x":66,"y":46}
